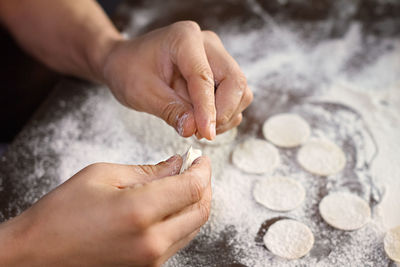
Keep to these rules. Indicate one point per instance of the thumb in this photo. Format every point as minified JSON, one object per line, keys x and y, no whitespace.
{"x":173,"y":109}
{"x":163,"y":169}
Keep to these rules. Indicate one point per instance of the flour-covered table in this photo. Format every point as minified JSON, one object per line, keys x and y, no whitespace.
{"x":337,"y":65}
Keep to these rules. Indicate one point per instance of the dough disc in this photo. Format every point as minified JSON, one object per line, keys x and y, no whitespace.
{"x":289,"y":239}
{"x":321,"y":157}
{"x":344,"y":211}
{"x":188,"y":158}
{"x":221,"y":139}
{"x":279,"y":193}
{"x":255,"y":156}
{"x":286,"y":130}
{"x":392,"y":244}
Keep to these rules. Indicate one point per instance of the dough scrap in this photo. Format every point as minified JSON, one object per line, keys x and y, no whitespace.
{"x":221,"y":139}
{"x":344,"y":211}
{"x":286,"y":130}
{"x":279,"y":193}
{"x":321,"y":157}
{"x":392,"y":244}
{"x":289,"y":239}
{"x":188,"y":158}
{"x":255,"y":156}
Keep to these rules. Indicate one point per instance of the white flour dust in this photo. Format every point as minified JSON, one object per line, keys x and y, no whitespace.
{"x":357,"y":108}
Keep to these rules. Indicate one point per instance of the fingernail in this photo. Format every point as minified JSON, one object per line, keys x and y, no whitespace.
{"x":172,"y":159}
{"x":212,"y":130}
{"x":196,"y":161}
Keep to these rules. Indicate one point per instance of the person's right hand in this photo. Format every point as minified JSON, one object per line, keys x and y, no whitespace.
{"x":112,"y":215}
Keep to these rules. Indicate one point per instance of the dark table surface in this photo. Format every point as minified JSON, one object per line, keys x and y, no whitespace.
{"x":35,"y":160}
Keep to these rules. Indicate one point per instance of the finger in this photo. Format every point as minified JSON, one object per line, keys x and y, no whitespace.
{"x":176,"y":247}
{"x":169,"y":106}
{"x":189,"y":55}
{"x":232,"y":83}
{"x":136,"y":175}
{"x":186,"y":221}
{"x":156,"y":200}
{"x":232,"y":124}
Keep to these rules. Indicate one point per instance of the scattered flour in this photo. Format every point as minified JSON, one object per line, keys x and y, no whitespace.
{"x":346,"y":88}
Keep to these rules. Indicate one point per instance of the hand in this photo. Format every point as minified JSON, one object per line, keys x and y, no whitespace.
{"x":173,"y":72}
{"x":109,"y":214}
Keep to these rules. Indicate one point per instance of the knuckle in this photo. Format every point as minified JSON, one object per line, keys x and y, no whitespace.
{"x":139,"y":220}
{"x":248,"y":97}
{"x":168,"y":113}
{"x":153,"y":246}
{"x":148,"y":170}
{"x":195,"y":189}
{"x":241,"y":82}
{"x":211,"y":35}
{"x":238,"y":120}
{"x":223,"y":119}
{"x":98,"y":167}
{"x":187,"y":25}
{"x":204,"y":209}
{"x":204,"y":73}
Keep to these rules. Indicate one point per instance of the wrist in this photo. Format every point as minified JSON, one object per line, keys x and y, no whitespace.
{"x":98,"y":50}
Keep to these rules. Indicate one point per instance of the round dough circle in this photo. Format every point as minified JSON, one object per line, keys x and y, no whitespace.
{"x":289,"y":239}
{"x":221,"y":139}
{"x":392,"y":243}
{"x":279,"y":193}
{"x":344,"y":211}
{"x":321,"y":157}
{"x":255,"y":156}
{"x":286,"y":130}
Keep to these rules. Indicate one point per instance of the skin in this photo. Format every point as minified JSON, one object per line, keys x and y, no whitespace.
{"x":123,"y":215}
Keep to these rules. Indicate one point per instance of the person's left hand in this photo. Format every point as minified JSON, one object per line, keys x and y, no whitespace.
{"x":182,"y":75}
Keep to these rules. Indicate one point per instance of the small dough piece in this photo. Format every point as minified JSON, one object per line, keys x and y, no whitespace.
{"x":255,"y":156}
{"x":344,"y":211}
{"x":392,"y":244}
{"x":221,"y":139}
{"x":188,"y":158}
{"x":279,"y":193}
{"x":286,"y":130}
{"x":321,"y":157}
{"x":289,"y":239}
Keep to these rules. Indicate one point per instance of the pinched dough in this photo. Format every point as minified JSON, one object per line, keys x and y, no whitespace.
{"x":255,"y":156}
{"x":188,"y":158}
{"x":286,"y":130}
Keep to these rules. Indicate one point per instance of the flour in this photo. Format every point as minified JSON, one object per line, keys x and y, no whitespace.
{"x":346,"y":88}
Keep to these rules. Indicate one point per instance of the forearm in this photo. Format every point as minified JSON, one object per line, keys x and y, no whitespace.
{"x":70,"y":36}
